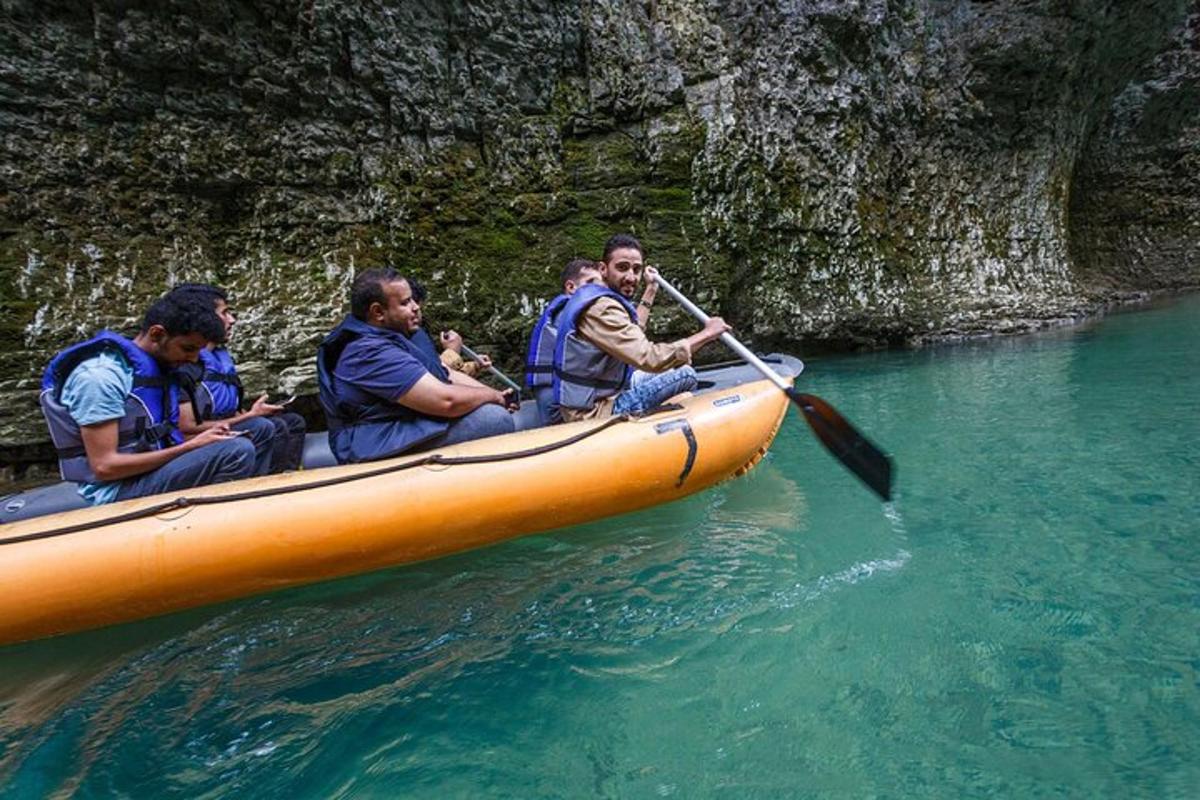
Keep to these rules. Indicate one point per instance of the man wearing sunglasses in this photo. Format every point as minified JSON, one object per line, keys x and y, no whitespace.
{"x":601,"y":342}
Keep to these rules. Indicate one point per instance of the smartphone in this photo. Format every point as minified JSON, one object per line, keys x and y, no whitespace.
{"x":281,"y":401}
{"x":239,"y":433}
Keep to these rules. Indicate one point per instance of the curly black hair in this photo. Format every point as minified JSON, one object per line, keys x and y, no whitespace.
{"x":181,"y":313}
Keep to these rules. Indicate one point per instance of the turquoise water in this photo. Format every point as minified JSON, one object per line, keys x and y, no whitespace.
{"x":1024,"y":621}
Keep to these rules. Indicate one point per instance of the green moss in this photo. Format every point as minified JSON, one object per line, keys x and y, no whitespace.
{"x":15,"y":311}
{"x":605,"y":160}
{"x":673,"y":198}
{"x":677,"y":151}
{"x":492,"y":245}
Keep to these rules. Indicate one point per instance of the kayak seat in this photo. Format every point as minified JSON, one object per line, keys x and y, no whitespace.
{"x":42,"y":501}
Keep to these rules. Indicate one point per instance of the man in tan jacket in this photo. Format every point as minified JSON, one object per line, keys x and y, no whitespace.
{"x":601,"y":341}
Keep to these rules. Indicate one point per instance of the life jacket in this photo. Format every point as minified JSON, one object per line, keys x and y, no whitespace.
{"x":539,"y":359}
{"x":366,"y":428}
{"x":218,"y":393}
{"x":583,"y":373}
{"x":151,"y":418}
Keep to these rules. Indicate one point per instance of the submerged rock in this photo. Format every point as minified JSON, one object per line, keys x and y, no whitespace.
{"x":854,"y":173}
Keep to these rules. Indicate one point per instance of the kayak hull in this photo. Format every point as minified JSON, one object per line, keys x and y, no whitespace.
{"x":155,"y":555}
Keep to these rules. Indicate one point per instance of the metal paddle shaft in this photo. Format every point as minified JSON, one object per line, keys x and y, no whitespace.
{"x":840,"y":438}
{"x":471,"y":354}
{"x":727,"y":338}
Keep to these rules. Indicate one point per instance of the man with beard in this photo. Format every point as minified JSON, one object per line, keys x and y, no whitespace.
{"x":213,"y":396}
{"x":601,"y":341}
{"x":383,"y":395}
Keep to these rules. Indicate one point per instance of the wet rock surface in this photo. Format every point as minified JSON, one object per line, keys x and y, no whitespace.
{"x":821,"y":173}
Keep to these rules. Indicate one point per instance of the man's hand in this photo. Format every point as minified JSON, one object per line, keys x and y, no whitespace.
{"x":261,"y":408}
{"x":510,"y":400}
{"x":109,"y":464}
{"x":714,"y":328}
{"x":711,"y":331}
{"x":217,"y":433}
{"x":451,"y":341}
{"x":651,"y":285}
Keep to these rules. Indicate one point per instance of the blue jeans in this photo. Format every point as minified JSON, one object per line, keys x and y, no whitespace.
{"x":547,"y":410}
{"x":261,"y":434}
{"x":229,"y":460}
{"x":650,"y":391}
{"x":487,"y":420}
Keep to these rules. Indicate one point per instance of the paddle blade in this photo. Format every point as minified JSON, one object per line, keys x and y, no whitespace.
{"x":845,"y":443}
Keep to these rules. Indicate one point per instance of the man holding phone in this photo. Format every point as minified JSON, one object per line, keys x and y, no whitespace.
{"x":213,"y":395}
{"x":112,"y":409}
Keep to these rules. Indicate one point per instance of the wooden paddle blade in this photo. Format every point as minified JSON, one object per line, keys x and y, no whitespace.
{"x":845,"y":443}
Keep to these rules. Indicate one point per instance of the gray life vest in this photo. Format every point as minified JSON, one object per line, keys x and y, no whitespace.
{"x":583,"y":373}
{"x":151,"y":409}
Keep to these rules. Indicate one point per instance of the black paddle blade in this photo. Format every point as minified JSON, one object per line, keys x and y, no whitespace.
{"x":845,"y":443}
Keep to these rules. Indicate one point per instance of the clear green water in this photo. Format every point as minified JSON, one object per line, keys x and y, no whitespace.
{"x":1024,"y":622}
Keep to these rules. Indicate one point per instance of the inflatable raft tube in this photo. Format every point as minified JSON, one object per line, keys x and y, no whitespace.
{"x":140,"y":558}
{"x":64,"y":496}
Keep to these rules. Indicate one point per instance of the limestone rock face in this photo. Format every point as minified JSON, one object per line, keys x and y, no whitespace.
{"x":854,"y":172}
{"x":1135,"y":202}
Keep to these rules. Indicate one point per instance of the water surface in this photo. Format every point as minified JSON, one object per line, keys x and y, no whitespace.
{"x":1024,"y":621}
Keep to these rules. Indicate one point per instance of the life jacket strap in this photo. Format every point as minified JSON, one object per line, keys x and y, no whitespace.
{"x":160,"y":433}
{"x":126,"y":438}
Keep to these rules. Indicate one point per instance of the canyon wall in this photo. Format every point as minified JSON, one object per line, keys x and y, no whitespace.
{"x":821,"y":173}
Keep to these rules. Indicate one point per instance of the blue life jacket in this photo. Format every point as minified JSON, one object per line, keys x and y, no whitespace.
{"x":583,"y":373}
{"x":539,"y":359}
{"x":363,"y":427}
{"x":151,"y":418}
{"x":218,"y":393}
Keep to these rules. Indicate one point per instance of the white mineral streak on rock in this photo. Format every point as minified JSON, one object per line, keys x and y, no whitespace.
{"x":35,"y":328}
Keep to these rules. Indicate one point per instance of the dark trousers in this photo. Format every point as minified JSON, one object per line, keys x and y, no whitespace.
{"x":487,"y":420}
{"x":288,"y":443}
{"x":261,"y":434}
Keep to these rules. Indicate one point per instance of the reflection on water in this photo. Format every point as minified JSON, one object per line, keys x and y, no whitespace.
{"x":1021,"y":621}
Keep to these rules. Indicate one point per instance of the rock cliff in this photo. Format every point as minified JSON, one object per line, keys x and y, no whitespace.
{"x":847,"y":172}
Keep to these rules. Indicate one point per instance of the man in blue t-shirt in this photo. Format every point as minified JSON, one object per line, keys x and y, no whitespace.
{"x":91,"y":406}
{"x":384,"y":395}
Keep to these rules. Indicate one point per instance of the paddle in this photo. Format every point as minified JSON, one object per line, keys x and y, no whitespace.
{"x":509,"y":381}
{"x":846,"y":444}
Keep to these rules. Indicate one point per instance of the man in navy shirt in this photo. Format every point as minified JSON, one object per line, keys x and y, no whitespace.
{"x":382,"y":394}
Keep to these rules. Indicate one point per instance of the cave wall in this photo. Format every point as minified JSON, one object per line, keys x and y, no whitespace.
{"x":849,"y":173}
{"x":1135,"y":202}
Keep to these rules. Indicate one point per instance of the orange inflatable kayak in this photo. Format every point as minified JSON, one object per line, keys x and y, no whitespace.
{"x":140,"y":558}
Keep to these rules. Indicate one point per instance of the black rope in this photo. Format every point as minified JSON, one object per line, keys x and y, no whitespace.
{"x":435,"y":459}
